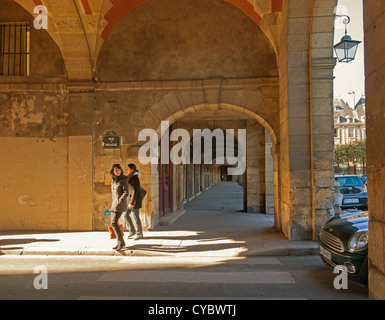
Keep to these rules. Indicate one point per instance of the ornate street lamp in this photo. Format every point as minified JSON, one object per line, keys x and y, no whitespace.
{"x":346,"y":49}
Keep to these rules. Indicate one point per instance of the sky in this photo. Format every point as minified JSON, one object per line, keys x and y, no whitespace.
{"x":350,"y":77}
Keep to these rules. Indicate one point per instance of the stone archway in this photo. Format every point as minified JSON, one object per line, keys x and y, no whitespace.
{"x":250,"y":99}
{"x":224,"y":63}
{"x":257,"y":175}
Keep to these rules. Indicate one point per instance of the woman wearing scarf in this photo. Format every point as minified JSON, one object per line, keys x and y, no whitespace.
{"x":134,"y":201}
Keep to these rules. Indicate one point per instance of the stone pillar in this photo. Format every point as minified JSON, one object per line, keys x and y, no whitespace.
{"x":296,"y":202}
{"x":275,"y":152}
{"x":269,"y":174}
{"x":255,"y":168}
{"x":306,"y":137}
{"x":80,"y":155}
{"x":375,"y":84}
{"x":322,"y":143}
{"x":321,"y":113}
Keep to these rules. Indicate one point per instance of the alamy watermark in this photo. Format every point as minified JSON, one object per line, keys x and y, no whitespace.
{"x":340,"y":281}
{"x":226,"y":150}
{"x":41,"y":21}
{"x":41,"y":280}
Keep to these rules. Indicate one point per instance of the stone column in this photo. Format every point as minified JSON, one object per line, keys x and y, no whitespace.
{"x":275,"y":152}
{"x":269,"y":175}
{"x":322,"y":143}
{"x":295,"y":187}
{"x":375,"y":84}
{"x":80,"y":157}
{"x":255,"y":163}
{"x":321,"y":113}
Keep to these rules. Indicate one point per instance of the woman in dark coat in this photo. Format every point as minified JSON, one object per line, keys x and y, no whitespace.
{"x":119,"y":191}
{"x":134,"y":201}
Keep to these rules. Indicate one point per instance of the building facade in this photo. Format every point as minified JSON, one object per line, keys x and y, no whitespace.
{"x":349,"y":123}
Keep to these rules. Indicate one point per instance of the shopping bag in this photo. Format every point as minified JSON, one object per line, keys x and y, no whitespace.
{"x":112,"y":232}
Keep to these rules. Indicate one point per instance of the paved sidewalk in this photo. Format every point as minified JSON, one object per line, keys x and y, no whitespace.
{"x":210,"y":225}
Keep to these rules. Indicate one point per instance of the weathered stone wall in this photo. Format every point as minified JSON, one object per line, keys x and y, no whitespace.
{"x":375,"y":93}
{"x":125,"y":113}
{"x":34,"y":136}
{"x":34,"y":143}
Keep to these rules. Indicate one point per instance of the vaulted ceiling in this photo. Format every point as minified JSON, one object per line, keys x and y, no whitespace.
{"x":80,"y":27}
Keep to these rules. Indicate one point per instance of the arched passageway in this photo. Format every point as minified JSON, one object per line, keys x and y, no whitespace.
{"x":231,"y":67}
{"x":208,"y":150}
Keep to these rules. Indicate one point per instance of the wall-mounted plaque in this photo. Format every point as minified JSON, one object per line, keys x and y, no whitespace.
{"x":111,"y":140}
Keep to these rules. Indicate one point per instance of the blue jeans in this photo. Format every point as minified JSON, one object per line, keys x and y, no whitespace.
{"x":133,"y":222}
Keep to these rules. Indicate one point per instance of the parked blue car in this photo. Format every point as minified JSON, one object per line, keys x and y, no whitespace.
{"x":354,"y":192}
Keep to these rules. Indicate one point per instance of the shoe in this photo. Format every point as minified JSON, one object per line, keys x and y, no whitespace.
{"x":138,"y":237}
{"x":119,"y":246}
{"x":131,"y":235}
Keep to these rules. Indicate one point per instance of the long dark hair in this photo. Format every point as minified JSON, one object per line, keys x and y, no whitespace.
{"x":116,"y":165}
{"x":132,"y":166}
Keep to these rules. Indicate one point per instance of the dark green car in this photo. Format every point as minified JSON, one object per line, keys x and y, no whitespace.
{"x":343,"y":241}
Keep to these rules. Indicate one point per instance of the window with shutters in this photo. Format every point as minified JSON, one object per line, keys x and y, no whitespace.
{"x":14,"y":49}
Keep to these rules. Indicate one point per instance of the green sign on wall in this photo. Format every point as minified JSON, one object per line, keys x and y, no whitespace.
{"x":111,"y":140}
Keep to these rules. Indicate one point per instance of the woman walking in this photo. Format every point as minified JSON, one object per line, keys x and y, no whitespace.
{"x":119,"y":191}
{"x":134,"y":201}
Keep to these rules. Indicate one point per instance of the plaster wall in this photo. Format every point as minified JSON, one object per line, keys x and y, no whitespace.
{"x":34,"y":184}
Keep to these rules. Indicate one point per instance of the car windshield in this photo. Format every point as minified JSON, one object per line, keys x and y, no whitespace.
{"x":350,"y":181}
